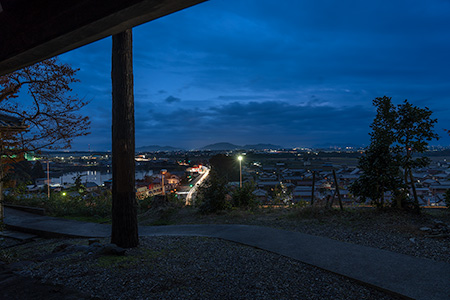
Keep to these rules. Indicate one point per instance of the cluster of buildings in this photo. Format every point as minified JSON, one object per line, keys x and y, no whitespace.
{"x":281,"y":184}
{"x":148,"y":186}
{"x":158,"y":184}
{"x":275,"y":184}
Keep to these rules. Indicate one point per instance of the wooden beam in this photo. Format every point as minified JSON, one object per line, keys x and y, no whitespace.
{"x":32,"y":31}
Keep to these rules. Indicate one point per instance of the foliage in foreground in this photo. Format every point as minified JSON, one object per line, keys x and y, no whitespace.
{"x":447,"y":198}
{"x":214,"y":195}
{"x":244,"y":197}
{"x":63,"y":205}
{"x":53,"y":115}
{"x":397,"y":133}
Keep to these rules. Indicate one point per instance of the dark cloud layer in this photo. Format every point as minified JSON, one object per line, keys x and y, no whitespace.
{"x":172,"y":99}
{"x":295,"y":73}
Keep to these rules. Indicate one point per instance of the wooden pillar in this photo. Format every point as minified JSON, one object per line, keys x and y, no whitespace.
{"x":124,"y":205}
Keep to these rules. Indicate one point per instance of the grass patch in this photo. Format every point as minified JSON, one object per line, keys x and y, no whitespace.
{"x":59,"y":205}
{"x":164,"y":216}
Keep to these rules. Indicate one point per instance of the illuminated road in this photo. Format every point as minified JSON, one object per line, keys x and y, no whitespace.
{"x":193,"y":190}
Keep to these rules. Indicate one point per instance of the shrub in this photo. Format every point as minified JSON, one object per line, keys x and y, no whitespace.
{"x":61,"y":205}
{"x":243,"y":197}
{"x":212,"y":196}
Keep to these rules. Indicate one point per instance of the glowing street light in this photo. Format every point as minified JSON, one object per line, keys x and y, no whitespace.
{"x":240,"y":170}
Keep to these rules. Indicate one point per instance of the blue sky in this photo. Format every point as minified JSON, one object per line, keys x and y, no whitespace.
{"x":292,"y":73}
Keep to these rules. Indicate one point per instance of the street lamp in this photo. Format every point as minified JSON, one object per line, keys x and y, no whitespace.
{"x":240,"y":170}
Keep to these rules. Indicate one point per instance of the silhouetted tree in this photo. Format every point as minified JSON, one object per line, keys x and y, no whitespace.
{"x":244,"y":197}
{"x":397,"y":133}
{"x":413,"y":130}
{"x":381,"y":172}
{"x":52,"y":114}
{"x":447,"y":198}
{"x":225,"y":166}
{"x":37,"y":171}
{"x":212,"y":194}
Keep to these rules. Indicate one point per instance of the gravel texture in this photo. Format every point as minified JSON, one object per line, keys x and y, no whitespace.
{"x":207,"y":268}
{"x":196,"y":268}
{"x":394,"y":231}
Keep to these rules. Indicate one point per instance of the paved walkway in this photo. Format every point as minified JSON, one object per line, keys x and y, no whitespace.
{"x":401,"y":274}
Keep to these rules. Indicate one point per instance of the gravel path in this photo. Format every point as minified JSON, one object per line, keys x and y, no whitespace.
{"x":196,"y":268}
{"x":207,"y":268}
{"x":393,"y":231}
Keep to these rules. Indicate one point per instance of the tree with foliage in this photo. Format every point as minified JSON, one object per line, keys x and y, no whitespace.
{"x":37,"y":171}
{"x":22,"y":171}
{"x":243,"y":197}
{"x":79,"y":187}
{"x":225,"y":166}
{"x":51,"y":113}
{"x":212,"y":194}
{"x":413,"y":130}
{"x":397,"y":132}
{"x":447,"y":198}
{"x":379,"y":165}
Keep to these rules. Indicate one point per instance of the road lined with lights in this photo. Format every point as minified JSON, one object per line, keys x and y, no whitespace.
{"x":194,"y":188}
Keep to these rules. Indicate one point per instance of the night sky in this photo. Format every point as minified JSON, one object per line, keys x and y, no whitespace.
{"x":292,"y":73}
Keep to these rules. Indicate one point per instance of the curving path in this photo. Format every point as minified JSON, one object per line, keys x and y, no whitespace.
{"x":408,"y":276}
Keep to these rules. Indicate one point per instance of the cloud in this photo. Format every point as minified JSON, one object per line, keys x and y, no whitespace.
{"x":172,"y":99}
{"x":267,"y":121}
{"x":288,"y":71}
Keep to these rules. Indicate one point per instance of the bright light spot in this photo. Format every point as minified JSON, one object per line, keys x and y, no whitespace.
{"x":64,"y":193}
{"x":240,"y":157}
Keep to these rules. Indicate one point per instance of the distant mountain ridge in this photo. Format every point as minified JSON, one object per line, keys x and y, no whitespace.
{"x":213,"y":147}
{"x":229,"y":146}
{"x":221,"y":146}
{"x":153,"y":148}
